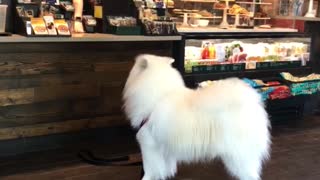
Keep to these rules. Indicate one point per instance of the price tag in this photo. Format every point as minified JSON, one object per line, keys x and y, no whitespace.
{"x":251,"y":65}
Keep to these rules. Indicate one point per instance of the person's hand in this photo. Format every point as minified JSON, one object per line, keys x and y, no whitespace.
{"x":78,"y":27}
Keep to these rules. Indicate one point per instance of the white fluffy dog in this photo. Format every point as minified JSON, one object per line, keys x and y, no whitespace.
{"x":177,"y":124}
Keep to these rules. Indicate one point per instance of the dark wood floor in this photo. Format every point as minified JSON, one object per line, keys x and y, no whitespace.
{"x":295,"y":156}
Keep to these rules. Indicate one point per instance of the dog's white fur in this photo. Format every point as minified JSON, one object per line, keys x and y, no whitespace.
{"x":226,"y":120}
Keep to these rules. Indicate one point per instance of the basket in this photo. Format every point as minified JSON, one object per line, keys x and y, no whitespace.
{"x":159,"y":28}
{"x":307,"y":87}
{"x":271,"y":91}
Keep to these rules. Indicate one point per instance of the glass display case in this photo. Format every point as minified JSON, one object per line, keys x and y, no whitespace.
{"x":231,"y":15}
{"x":210,"y":56}
{"x":227,"y":55}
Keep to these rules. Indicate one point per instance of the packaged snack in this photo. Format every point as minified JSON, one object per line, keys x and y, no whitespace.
{"x":39,"y":26}
{"x":49,"y":21}
{"x":62,"y":27}
{"x":280,"y":92}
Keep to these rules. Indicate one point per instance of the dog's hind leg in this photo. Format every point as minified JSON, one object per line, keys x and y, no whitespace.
{"x":171,"y":165}
{"x":244,"y":168}
{"x":154,"y":162}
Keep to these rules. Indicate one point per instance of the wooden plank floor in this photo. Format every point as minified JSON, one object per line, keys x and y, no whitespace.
{"x":295,"y":156}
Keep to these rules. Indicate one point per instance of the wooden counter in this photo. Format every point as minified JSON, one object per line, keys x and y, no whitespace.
{"x":59,"y":85}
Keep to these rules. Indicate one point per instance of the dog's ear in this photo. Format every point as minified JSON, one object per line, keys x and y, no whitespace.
{"x":170,"y":60}
{"x":142,"y":61}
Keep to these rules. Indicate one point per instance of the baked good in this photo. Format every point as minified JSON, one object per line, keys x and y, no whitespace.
{"x":195,"y":15}
{"x":219,"y":5}
{"x":236,"y":9}
{"x":205,"y":13}
{"x":169,"y":3}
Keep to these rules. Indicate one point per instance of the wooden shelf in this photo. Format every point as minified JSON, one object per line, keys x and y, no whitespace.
{"x":256,"y":18}
{"x":262,"y":3}
{"x":201,"y":1}
{"x":239,"y":14}
{"x":261,"y":18}
{"x":211,"y":17}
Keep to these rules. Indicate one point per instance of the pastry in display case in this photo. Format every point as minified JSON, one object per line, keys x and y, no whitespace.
{"x":223,"y":55}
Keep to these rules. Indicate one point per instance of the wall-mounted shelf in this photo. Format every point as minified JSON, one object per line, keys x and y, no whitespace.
{"x":262,"y":18}
{"x":255,"y":18}
{"x":211,"y":17}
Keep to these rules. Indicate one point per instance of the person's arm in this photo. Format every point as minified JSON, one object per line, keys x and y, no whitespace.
{"x":78,"y":9}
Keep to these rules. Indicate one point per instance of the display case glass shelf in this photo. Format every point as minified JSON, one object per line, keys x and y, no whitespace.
{"x":253,"y":2}
{"x":234,"y":30}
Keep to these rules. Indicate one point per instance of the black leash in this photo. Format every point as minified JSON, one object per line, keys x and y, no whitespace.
{"x":88,"y":157}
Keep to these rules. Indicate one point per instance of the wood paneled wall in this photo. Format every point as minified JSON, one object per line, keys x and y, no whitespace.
{"x":48,"y":88}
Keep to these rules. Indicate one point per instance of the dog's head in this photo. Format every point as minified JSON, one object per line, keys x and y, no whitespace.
{"x":148,"y":64}
{"x":150,"y":78}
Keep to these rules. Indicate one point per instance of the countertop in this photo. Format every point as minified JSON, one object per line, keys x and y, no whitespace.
{"x":233,"y":30}
{"x":96,"y":37}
